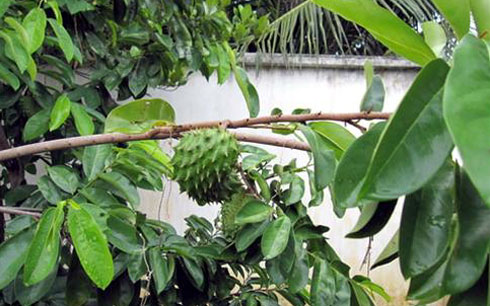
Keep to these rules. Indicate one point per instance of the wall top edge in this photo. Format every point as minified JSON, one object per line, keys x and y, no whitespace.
{"x":324,"y":62}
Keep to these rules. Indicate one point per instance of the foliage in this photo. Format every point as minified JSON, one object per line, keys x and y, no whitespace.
{"x":91,"y":245}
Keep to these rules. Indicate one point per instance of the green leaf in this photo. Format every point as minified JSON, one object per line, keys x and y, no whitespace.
{"x":36,"y":125}
{"x":65,"y":178}
{"x":374,"y":217}
{"x":49,"y":190}
{"x":336,"y":136}
{"x":94,"y":159}
{"x":18,"y":224}
{"x":415,"y":142}
{"x":384,"y":26}
{"x":280,"y":267}
{"x":60,"y":112}
{"x":467,"y":111}
{"x":9,"y":78}
{"x":42,"y":256}
{"x":368,"y":72}
{"x":374,"y":98}
{"x":64,"y":39}
{"x":323,"y":157}
{"x":79,"y":288}
{"x":15,"y":50}
{"x":299,"y":276}
{"x":457,"y":13}
{"x":162,"y":268}
{"x":328,"y":287}
{"x":275,"y":237}
{"x":252,"y":212}
{"x":13,"y":254}
{"x":4,"y":5}
{"x":83,"y":121}
{"x":21,"y":32}
{"x":99,"y":197}
{"x":28,"y":295}
{"x":481,"y":10}
{"x":137,"y":267}
{"x":195,"y":272}
{"x":224,"y":68}
{"x":123,"y":235}
{"x":35,"y":25}
{"x":295,"y":192}
{"x":353,"y":167}
{"x":389,"y":253}
{"x":469,"y":256}
{"x":426,"y":223}
{"x":139,"y":116}
{"x":123,"y":185}
{"x":91,"y":246}
{"x":434,"y":36}
{"x":248,"y":91}
{"x":476,"y":295}
{"x":248,"y":234}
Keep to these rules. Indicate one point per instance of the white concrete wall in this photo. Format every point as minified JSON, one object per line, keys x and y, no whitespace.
{"x":323,"y":84}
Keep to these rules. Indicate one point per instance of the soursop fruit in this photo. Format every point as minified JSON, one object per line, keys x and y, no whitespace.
{"x":205,"y":165}
{"x":229,"y":210}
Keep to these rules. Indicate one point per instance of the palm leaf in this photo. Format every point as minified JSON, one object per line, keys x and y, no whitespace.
{"x":309,"y":29}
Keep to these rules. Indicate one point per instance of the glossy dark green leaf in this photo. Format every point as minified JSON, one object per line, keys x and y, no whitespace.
{"x":469,"y":256}
{"x":415,"y":142}
{"x":91,"y":246}
{"x":275,"y":237}
{"x":359,"y":296}
{"x":280,"y":267}
{"x":42,"y":256}
{"x":299,"y":275}
{"x":426,"y":223}
{"x":123,"y":235}
{"x":13,"y":254}
{"x":323,"y":157}
{"x":137,"y":267}
{"x":60,"y":112}
{"x":28,"y":295}
{"x":194,"y":270}
{"x":248,"y":91}
{"x":248,"y":234}
{"x":162,"y":268}
{"x":384,"y":26}
{"x":328,"y":287}
{"x":36,"y":125}
{"x":389,"y":253}
{"x":83,"y":121}
{"x":64,"y":40}
{"x":295,"y":192}
{"x":476,"y":295}
{"x":94,"y":159}
{"x":466,"y":109}
{"x":4,"y":5}
{"x":49,"y":190}
{"x":253,"y":211}
{"x":374,"y":98}
{"x":139,"y":116}
{"x":123,"y":185}
{"x":352,"y":168}
{"x":65,"y":178}
{"x":374,"y":217}
{"x":79,"y":288}
{"x":457,"y":13}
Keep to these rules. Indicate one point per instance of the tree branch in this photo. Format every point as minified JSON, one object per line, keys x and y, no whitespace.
{"x":176,"y":130}
{"x":16,"y":211}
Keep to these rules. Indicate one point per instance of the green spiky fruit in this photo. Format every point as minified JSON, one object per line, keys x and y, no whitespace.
{"x":229,"y":210}
{"x":204,"y":165}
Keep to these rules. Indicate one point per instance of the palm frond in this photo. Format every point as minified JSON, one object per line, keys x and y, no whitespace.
{"x":306,"y":28}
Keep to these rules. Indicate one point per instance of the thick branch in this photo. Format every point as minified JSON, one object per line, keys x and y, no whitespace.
{"x":176,"y":130}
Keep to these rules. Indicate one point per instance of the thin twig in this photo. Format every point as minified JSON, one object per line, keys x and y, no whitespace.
{"x":357,"y":125}
{"x":250,"y":187}
{"x":15,"y":211}
{"x":176,"y":130}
